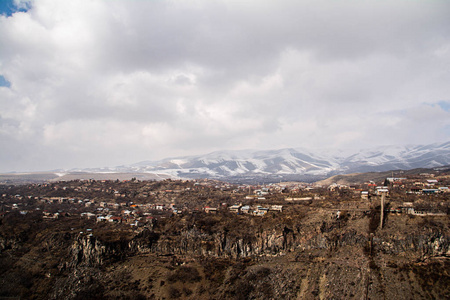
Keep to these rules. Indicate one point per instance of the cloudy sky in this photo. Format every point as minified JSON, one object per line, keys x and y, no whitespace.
{"x":92,"y":83}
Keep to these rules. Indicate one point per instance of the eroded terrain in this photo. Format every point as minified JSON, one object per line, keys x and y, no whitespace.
{"x":309,"y":250}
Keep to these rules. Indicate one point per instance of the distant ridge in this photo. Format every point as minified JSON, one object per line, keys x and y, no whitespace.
{"x":292,"y":163}
{"x":360,"y":178}
{"x":263,"y":166}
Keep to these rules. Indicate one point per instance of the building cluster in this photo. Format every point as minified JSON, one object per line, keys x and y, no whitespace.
{"x":140,"y":203}
{"x":256,"y":210}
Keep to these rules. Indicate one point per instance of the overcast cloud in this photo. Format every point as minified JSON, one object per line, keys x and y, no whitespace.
{"x":103,"y":83}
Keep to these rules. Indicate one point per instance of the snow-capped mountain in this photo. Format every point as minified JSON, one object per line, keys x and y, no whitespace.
{"x":285,"y":163}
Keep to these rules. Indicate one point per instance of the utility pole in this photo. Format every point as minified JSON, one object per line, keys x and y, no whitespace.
{"x":383,"y":197}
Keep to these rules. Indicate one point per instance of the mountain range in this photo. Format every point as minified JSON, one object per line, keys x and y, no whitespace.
{"x":291,"y":163}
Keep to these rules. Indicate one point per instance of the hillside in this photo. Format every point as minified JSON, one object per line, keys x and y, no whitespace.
{"x":176,"y":239}
{"x":359,"y":178}
{"x":293,"y":164}
{"x":305,"y":254}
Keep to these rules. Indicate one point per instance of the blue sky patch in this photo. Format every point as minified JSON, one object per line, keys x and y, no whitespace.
{"x":445,"y":105}
{"x":7,"y":7}
{"x":4,"y":82}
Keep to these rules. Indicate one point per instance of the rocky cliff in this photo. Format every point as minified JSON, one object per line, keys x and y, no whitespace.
{"x":258,"y":240}
{"x":307,"y":255}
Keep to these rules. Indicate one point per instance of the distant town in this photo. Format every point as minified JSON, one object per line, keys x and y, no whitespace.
{"x":140,"y":203}
{"x":208,"y":239}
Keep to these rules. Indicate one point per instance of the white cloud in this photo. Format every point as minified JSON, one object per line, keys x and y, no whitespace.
{"x":97,"y":83}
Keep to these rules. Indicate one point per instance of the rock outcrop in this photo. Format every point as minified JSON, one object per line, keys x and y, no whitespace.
{"x":90,"y":251}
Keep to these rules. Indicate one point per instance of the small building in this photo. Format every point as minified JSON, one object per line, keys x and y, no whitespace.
{"x":430,"y":191}
{"x":416,"y":190}
{"x":381,"y":190}
{"x":261,"y":210}
{"x":407,"y":208}
{"x":101,"y":219}
{"x":235,"y":208}
{"x":115,"y":219}
{"x":298,"y":198}
{"x":444,"y":189}
{"x":277,"y":208}
{"x":49,"y":215}
{"x":245,"y":209}
{"x":88,"y":215}
{"x":261,"y":192}
{"x":210,"y":210}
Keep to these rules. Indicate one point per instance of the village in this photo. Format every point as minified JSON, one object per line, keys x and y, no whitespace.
{"x":149,"y":237}
{"x":140,"y":203}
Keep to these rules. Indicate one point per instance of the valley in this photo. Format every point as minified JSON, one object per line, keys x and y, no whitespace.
{"x":209,"y":239}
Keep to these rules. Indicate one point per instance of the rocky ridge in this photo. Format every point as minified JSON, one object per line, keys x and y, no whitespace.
{"x":305,"y":253}
{"x":324,"y":253}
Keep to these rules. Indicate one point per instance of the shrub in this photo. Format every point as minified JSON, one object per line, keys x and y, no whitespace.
{"x":185,"y":274}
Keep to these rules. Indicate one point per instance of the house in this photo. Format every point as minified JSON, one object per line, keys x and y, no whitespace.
{"x":235,"y":208}
{"x":210,"y":210}
{"x":88,"y":215}
{"x":430,"y":191}
{"x":382,"y":189}
{"x":416,"y":190}
{"x":407,"y":208}
{"x":245,"y":209}
{"x":49,"y":215}
{"x":101,"y":219}
{"x":298,"y":199}
{"x":260,"y":211}
{"x":115,"y":219}
{"x":261,"y":192}
{"x":277,"y":208}
{"x":176,"y":211}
